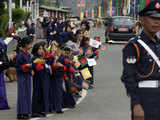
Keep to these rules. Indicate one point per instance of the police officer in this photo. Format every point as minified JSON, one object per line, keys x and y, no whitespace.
{"x":60,"y":26}
{"x":141,"y":74}
{"x":50,"y":33}
{"x":31,"y":31}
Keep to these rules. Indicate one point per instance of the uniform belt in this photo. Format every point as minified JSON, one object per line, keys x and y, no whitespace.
{"x":149,"y":84}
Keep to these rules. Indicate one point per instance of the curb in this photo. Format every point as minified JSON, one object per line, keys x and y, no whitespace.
{"x":84,"y":94}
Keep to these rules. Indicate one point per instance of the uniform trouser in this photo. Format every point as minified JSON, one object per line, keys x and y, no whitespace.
{"x":150,"y":102}
{"x":92,"y":73}
{"x":67,"y":96}
{"x":58,"y":94}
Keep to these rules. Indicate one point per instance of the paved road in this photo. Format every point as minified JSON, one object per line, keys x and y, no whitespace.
{"x":107,"y":101}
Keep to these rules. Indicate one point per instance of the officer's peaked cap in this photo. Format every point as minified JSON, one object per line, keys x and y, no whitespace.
{"x":151,"y":10}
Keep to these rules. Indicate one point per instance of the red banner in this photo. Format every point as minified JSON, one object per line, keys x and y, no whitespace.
{"x":83,"y":4}
{"x":79,"y":4}
{"x":147,"y":2}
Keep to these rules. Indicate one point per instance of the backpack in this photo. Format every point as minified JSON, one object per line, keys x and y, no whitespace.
{"x":4,"y":61}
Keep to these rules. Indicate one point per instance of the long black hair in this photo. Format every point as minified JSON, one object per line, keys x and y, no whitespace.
{"x":23,"y":42}
{"x":43,"y":43}
{"x":79,"y":31}
{"x":67,"y":26}
{"x":83,"y":41}
{"x":36,"y":48}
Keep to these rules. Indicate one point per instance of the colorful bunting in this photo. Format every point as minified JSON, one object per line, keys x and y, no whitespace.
{"x":135,"y":8}
{"x":110,"y":7}
{"x":142,"y":4}
{"x":117,"y":6}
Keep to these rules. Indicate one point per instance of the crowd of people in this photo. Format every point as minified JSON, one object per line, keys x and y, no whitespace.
{"x":59,"y":68}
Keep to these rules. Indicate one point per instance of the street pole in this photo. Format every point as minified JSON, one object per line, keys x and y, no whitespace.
{"x":27,"y":5}
{"x":32,"y":8}
{"x":37,"y":8}
{"x":10,"y":13}
{"x":21,"y":4}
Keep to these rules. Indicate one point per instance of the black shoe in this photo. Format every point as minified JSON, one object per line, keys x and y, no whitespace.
{"x":26,"y":116}
{"x":42,"y":114}
{"x":51,"y":111}
{"x":59,"y":112}
{"x":77,"y":95}
{"x":91,"y":87}
{"x":22,"y":116}
{"x":19,"y":116}
{"x":72,"y":107}
{"x":35,"y":115}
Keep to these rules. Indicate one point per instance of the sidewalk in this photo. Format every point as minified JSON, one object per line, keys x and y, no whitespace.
{"x":12,"y":101}
{"x":12,"y":98}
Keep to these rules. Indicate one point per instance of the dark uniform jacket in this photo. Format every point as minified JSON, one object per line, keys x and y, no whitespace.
{"x":139,"y":65}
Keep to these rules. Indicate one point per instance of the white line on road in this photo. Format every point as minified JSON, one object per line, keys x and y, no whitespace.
{"x":84,"y":94}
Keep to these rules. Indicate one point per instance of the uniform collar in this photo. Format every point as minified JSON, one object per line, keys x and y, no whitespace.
{"x":147,"y":39}
{"x":25,"y":52}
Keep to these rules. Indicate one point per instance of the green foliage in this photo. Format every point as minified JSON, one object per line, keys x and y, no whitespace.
{"x":41,"y":2}
{"x":4,"y":23}
{"x":18,"y":16}
{"x":17,"y":2}
{"x":2,"y":7}
{"x":56,"y":3}
{"x":27,"y":15}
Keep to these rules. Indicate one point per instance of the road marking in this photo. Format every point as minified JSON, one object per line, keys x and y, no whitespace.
{"x":84,"y":94}
{"x":120,"y":42}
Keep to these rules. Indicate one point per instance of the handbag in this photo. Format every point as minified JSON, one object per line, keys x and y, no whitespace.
{"x":4,"y":61}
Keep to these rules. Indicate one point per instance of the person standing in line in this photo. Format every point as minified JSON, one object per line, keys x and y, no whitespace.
{"x":3,"y":65}
{"x":24,"y":73}
{"x":84,"y":30}
{"x":86,"y":23}
{"x":50,"y":33}
{"x":31,"y":31}
{"x":58,"y":70}
{"x":41,"y":79}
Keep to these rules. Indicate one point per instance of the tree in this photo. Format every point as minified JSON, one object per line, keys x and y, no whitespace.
{"x":41,"y":2}
{"x":2,"y":6}
{"x":17,"y":2}
{"x":57,"y":3}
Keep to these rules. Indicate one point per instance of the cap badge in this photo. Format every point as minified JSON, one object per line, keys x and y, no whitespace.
{"x":157,"y":5}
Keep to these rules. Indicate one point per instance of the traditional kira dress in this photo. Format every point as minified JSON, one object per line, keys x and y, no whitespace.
{"x":24,"y":105}
{"x":3,"y":96}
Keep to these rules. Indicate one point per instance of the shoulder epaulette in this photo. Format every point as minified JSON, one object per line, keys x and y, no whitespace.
{"x":133,"y":40}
